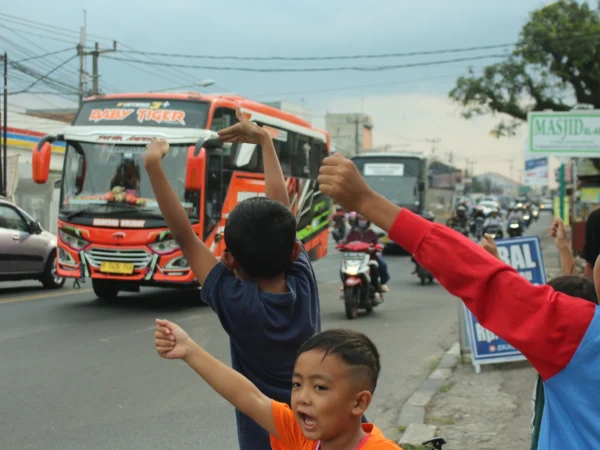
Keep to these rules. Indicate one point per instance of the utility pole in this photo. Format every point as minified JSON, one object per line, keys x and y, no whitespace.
{"x":96,"y":56}
{"x":81,"y":53}
{"x":5,"y":126}
{"x":433,"y":147}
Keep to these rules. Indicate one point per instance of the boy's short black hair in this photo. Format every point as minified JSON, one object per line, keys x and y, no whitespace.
{"x":353,"y":348}
{"x":260,"y":234}
{"x":575,"y":287}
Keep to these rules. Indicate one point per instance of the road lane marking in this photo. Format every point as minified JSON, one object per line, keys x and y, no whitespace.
{"x":45,"y":295}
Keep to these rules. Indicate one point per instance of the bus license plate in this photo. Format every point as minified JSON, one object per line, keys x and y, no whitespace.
{"x":115,"y":267}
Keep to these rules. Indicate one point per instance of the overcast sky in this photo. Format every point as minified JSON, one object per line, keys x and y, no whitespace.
{"x":405,"y":103}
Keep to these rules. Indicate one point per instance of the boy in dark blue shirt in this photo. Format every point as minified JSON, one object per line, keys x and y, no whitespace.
{"x":263,"y":290}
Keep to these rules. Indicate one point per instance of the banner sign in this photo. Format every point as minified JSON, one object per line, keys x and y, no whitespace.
{"x":570,"y":134}
{"x":536,"y":172}
{"x":525,"y":255}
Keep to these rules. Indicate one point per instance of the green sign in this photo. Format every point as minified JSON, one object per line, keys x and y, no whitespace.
{"x":570,"y":134}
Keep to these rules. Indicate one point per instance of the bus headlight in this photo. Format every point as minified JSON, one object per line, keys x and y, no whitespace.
{"x":164,"y":247}
{"x":73,"y":241}
{"x":178,"y":264}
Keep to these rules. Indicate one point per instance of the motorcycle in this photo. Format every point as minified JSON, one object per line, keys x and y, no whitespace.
{"x":515,"y":228}
{"x":339,"y":230}
{"x":478,"y":228}
{"x":495,"y":231}
{"x":536,"y":214}
{"x":357,"y":270}
{"x":424,"y":275}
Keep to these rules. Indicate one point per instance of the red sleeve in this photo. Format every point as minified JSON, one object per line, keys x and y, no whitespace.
{"x":546,"y":326}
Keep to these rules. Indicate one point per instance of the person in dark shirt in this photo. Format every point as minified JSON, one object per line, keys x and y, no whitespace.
{"x":263,"y":290}
{"x":591,"y":247}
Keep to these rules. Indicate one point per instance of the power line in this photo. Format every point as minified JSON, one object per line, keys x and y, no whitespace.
{"x":325,"y":58}
{"x":313,"y":69}
{"x":46,"y":75}
{"x":45,"y":55}
{"x":356,"y":86}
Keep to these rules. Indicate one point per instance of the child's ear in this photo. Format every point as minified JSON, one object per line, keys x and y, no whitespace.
{"x":296,"y":251}
{"x":362,"y":402}
{"x":228,"y":259}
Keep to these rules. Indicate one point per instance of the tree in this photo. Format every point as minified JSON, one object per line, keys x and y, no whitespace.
{"x":554,"y":66}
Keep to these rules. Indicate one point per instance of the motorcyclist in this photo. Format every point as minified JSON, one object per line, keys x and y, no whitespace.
{"x":493,"y":219}
{"x":459,"y":219}
{"x":363,"y":232}
{"x":339,"y":223}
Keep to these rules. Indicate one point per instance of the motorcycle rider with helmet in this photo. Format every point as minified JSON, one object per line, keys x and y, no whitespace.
{"x":362,"y":231}
{"x":459,"y":220}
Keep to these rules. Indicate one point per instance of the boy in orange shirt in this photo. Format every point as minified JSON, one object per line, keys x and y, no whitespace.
{"x":334,"y":378}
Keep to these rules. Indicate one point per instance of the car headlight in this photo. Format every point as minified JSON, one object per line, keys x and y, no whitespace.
{"x":164,"y":247}
{"x":178,"y":264}
{"x":73,"y":241}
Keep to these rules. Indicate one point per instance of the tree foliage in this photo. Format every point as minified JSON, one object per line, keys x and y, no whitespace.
{"x":554,"y":66}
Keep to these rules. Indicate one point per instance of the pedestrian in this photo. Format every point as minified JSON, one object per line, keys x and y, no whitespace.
{"x":557,"y":333}
{"x":263,"y":289}
{"x":335,"y":376}
{"x":575,"y":286}
{"x":591,"y":246}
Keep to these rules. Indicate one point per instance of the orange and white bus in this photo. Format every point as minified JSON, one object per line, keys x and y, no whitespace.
{"x":110,"y":227}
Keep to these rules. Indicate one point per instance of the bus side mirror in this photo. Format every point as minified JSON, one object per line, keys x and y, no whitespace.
{"x":195,"y":170}
{"x":421,"y":186}
{"x":40,"y":163}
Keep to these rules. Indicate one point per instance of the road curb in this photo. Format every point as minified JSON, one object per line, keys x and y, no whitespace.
{"x":412,"y":414}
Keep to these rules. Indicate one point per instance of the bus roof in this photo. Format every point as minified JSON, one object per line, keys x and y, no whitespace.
{"x":232,"y":99}
{"x":421,"y":156}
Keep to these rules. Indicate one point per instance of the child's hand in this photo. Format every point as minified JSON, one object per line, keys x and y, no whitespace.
{"x":155,"y":151}
{"x":489,"y":245}
{"x":243,"y":132}
{"x":559,"y":233}
{"x":170,"y":340}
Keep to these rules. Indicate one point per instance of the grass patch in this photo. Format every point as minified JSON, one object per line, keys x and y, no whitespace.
{"x":402,"y":428}
{"x":434,"y":364}
{"x":447,"y":387}
{"x":442,"y":421}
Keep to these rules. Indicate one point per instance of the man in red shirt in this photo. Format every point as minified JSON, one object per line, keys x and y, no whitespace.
{"x":558,"y":334}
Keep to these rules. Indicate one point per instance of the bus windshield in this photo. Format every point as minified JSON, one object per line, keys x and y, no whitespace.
{"x":107,"y":176}
{"x":396,"y":179}
{"x":146,"y":113}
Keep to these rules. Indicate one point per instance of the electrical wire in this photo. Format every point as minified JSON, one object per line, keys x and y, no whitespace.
{"x":314,"y":69}
{"x":46,"y":75}
{"x":45,"y":55}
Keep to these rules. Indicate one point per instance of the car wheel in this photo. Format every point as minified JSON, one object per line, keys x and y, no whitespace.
{"x":50,"y":278}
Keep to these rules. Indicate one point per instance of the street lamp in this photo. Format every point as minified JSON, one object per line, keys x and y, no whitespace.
{"x":203,"y":83}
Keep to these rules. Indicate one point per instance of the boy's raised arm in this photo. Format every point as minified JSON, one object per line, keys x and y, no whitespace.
{"x":546,"y":326}
{"x":248,"y":132}
{"x":174,"y":343}
{"x":200,"y":258}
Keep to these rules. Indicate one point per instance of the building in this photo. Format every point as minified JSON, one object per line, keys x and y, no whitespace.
{"x":292,"y":108}
{"x":499,"y":184}
{"x":351,"y":134}
{"x":40,"y":201}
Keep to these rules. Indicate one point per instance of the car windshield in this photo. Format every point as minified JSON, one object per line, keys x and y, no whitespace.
{"x":489,"y":205}
{"x":105,"y":178}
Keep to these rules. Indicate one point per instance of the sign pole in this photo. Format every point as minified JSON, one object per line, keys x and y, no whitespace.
{"x":561,"y":190}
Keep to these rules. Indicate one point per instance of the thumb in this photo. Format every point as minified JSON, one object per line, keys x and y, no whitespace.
{"x":489,"y":240}
{"x":239,"y":114}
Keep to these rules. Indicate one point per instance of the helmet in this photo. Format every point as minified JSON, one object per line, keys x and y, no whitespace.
{"x":494,"y":212}
{"x":461,"y":210}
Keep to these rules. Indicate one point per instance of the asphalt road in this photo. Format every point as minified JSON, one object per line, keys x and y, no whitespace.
{"x":77,"y":374}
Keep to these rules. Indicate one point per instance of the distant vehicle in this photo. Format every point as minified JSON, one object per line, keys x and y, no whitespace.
{"x":484,"y":208}
{"x":399,"y":177}
{"x":29,"y":250}
{"x":546,"y":205}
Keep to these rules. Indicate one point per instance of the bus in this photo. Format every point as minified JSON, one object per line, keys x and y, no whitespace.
{"x":110,"y":229}
{"x":399,"y":177}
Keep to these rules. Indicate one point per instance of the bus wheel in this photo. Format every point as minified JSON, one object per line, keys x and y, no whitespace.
{"x":105,"y":289}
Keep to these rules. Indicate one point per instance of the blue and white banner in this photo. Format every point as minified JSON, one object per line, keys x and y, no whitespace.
{"x":536,"y":172}
{"x":525,"y":255}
